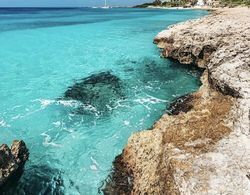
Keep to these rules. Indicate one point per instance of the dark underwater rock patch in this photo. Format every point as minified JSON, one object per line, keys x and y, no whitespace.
{"x":144,"y":70}
{"x":40,"y":179}
{"x":100,"y":91}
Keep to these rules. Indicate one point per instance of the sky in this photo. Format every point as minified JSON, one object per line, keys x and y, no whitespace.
{"x":67,"y":3}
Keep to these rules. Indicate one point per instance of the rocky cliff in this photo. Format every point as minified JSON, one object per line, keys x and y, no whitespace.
{"x":204,"y":146}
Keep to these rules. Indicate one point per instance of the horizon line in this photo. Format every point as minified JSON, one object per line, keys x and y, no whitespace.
{"x":115,"y":6}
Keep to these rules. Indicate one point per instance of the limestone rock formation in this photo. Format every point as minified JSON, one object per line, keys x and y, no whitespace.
{"x":12,"y":160}
{"x":205,"y":147}
{"x":219,"y":42}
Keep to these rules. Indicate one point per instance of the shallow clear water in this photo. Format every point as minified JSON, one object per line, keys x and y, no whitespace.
{"x":45,"y":51}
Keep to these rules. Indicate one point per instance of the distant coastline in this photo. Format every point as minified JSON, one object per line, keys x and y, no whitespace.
{"x":181,"y":8}
{"x":195,"y":4}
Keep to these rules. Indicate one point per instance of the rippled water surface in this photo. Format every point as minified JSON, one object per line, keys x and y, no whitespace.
{"x":76,"y":83}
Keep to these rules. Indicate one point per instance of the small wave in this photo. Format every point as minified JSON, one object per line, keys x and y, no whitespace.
{"x":119,"y":104}
{"x":44,"y":102}
{"x":127,"y":123}
{"x":94,"y":165}
{"x":15,"y":107}
{"x":16,"y":117}
{"x":3,"y":123}
{"x":57,"y":123}
{"x":151,"y":100}
{"x":90,"y":108}
{"x":47,"y":141}
{"x":47,"y":102}
{"x":69,"y":130}
{"x":69,"y":103}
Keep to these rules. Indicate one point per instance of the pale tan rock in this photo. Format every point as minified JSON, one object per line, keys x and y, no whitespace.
{"x":219,"y":42}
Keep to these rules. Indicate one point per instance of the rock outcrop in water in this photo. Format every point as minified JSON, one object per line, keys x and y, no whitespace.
{"x":100,"y":91}
{"x":12,"y":160}
{"x":205,"y":147}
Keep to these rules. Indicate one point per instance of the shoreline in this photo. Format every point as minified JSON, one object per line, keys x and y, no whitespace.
{"x":205,"y":148}
{"x":208,"y":8}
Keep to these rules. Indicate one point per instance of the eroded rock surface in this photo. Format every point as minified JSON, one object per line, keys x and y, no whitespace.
{"x":219,"y":42}
{"x":205,"y":147}
{"x":12,"y":160}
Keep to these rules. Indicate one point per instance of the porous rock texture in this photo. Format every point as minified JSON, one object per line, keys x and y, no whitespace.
{"x":12,"y":160}
{"x":206,"y":149}
{"x":219,"y":42}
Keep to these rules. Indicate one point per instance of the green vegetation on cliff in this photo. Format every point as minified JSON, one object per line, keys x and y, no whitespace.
{"x":233,"y":3}
{"x":189,"y":3}
{"x":145,"y":5}
{"x":170,"y":3}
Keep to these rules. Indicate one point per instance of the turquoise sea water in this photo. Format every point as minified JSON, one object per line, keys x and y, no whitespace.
{"x":43,"y":52}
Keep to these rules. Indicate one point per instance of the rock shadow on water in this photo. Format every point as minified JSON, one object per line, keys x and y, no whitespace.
{"x":98,"y":91}
{"x":189,"y":68}
{"x":151,"y":74}
{"x":146,"y":70}
{"x":156,"y":69}
{"x":119,"y":181}
{"x":180,"y":104}
{"x":42,"y":179}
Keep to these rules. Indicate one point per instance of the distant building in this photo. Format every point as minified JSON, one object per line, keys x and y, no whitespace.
{"x":200,"y":3}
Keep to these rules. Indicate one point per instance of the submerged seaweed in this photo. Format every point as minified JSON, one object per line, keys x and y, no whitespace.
{"x":100,"y":91}
{"x":42,"y":179}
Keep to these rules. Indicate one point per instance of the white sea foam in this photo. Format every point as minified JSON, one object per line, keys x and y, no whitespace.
{"x":68,"y":103}
{"x":44,"y":102}
{"x":70,"y":130}
{"x":94,"y":161}
{"x":47,"y":102}
{"x":18,"y":106}
{"x":3,"y":123}
{"x":90,"y":108}
{"x":126,"y":123}
{"x":57,"y":123}
{"x":94,"y":165}
{"x":47,"y":141}
{"x":120,"y":104}
{"x":16,"y":117}
{"x":151,"y":100}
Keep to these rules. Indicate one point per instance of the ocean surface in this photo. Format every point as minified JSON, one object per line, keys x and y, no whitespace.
{"x":76,"y":83}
